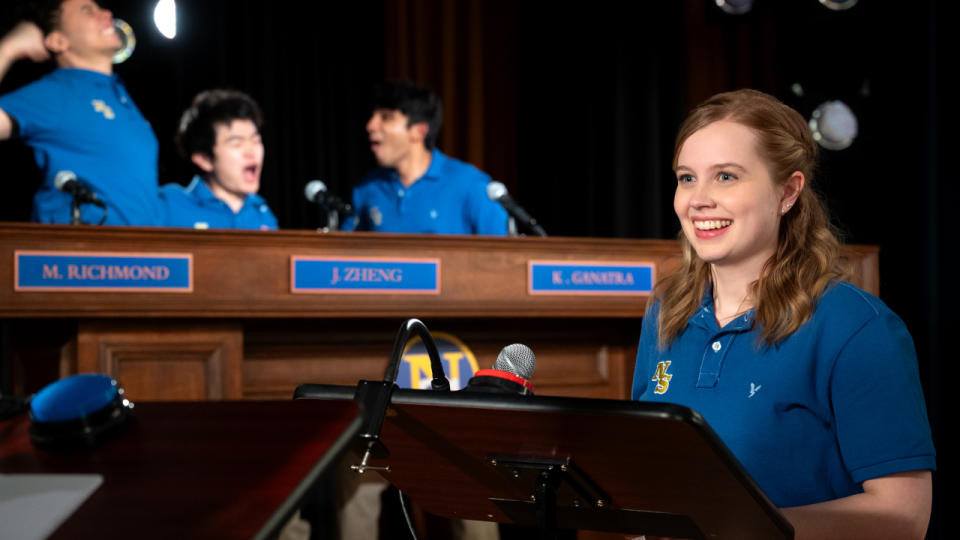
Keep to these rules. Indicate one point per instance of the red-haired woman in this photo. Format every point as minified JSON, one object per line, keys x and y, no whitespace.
{"x":811,"y":382}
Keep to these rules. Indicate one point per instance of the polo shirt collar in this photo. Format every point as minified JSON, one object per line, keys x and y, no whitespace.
{"x":706,"y":318}
{"x":434,"y":171}
{"x":199,"y":190}
{"x":88,"y":75}
{"x":437,"y":162}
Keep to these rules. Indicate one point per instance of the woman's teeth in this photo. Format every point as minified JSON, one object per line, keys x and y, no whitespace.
{"x":712,"y":224}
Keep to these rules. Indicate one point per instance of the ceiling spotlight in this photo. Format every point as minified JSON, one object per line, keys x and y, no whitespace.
{"x":834,"y":125}
{"x":735,"y":7}
{"x":165,"y":17}
{"x":838,"y":5}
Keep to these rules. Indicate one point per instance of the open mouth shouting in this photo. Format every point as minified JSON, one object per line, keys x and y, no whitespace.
{"x":251,"y":173}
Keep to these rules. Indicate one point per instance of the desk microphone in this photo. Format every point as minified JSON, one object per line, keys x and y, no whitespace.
{"x":510,"y":373}
{"x":316,"y":192}
{"x":496,"y":191}
{"x":67,"y":182}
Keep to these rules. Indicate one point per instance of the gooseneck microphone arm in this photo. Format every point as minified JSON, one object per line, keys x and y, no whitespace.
{"x":67,"y":182}
{"x":496,"y":191}
{"x":374,"y":397}
{"x":439,"y":381}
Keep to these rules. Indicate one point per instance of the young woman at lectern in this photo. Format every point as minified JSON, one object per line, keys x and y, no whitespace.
{"x":811,"y":382}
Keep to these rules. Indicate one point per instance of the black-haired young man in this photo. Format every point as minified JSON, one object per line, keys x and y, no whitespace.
{"x":417,"y":188}
{"x":220,"y":135}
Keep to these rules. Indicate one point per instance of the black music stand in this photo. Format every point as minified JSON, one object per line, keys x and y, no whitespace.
{"x":568,"y":463}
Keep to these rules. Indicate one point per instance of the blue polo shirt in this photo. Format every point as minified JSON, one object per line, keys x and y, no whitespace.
{"x":450,"y":198}
{"x":84,"y":121}
{"x":836,"y":403}
{"x":197,"y":207}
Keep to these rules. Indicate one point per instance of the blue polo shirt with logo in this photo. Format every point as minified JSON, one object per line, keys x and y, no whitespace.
{"x":450,"y":198}
{"x":197,"y":207}
{"x":836,"y":403}
{"x":85,"y":122}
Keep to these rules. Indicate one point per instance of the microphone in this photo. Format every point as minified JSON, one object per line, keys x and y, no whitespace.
{"x":510,"y":373}
{"x":316,"y":192}
{"x":67,"y":182}
{"x":498,"y":192}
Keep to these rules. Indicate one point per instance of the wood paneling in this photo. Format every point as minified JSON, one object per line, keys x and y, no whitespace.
{"x":241,"y":333}
{"x":165,"y":360}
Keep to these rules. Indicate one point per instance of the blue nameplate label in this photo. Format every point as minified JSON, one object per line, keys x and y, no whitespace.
{"x":339,"y":275}
{"x":99,"y":271}
{"x":590,"y":277}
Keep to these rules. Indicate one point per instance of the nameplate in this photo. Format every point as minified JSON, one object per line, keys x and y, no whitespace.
{"x":364,"y":275}
{"x":95,"y":271}
{"x":589,"y":278}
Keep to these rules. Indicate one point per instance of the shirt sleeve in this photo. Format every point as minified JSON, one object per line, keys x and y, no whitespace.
{"x":646,"y":348}
{"x":33,"y":109}
{"x":881,"y":418}
{"x":269,"y":219}
{"x":489,"y":216}
{"x":354,"y":223}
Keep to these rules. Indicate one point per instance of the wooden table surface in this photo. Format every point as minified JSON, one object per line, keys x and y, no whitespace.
{"x":200,"y":469}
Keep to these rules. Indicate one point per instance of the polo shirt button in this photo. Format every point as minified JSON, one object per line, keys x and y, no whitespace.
{"x":716,"y":346}
{"x":400,"y":193}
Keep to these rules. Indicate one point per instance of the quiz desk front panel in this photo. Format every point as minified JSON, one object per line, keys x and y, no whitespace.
{"x":243,"y":324}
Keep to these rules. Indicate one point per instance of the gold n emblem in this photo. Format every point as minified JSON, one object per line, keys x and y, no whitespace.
{"x":662,"y":378}
{"x":103,"y":109}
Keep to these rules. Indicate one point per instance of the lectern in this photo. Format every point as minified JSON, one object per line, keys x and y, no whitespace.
{"x":568,"y":463}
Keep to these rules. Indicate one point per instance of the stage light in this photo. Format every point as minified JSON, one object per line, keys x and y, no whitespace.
{"x":839,"y":5}
{"x":128,"y":41}
{"x":735,"y":7}
{"x":165,"y":17}
{"x":834,"y":125}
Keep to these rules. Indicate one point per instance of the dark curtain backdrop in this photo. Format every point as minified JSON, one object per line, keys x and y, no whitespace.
{"x":465,"y":51}
{"x":575,"y":110}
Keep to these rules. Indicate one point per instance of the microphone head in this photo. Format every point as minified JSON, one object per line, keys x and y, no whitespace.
{"x":517,"y":359}
{"x":495,"y":190}
{"x":62,"y":178}
{"x":313,"y":188}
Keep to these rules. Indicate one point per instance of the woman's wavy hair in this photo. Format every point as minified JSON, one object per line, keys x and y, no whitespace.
{"x":808,"y":251}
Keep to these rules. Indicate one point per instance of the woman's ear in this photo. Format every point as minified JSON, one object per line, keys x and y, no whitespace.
{"x":791,"y":191}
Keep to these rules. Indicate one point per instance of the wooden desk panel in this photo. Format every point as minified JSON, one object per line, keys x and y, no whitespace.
{"x":241,"y":333}
{"x":240,"y":274}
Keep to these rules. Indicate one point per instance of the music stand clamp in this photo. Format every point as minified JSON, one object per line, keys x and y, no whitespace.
{"x":374,"y":397}
{"x":549,"y":476}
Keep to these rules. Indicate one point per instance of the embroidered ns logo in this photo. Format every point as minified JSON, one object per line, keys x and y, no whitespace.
{"x":662,"y":378}
{"x":103,"y":109}
{"x":376,"y":217}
